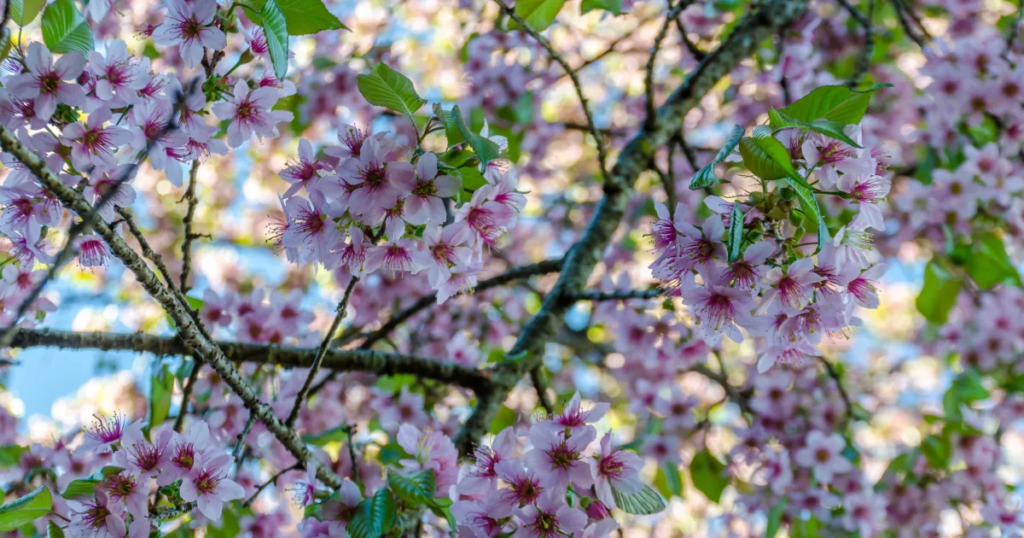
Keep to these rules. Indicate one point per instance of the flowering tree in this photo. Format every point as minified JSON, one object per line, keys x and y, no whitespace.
{"x":533,"y":270}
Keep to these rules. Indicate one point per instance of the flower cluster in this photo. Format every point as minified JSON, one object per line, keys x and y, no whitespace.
{"x":368,"y":208}
{"x":120,"y":501}
{"x":777,"y":289}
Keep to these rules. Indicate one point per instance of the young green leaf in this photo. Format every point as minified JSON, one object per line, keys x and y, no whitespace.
{"x":809,"y":205}
{"x":275,"y":28}
{"x":775,"y":518}
{"x":26,"y":509}
{"x":611,"y":6}
{"x":834,"y":103}
{"x":831,"y":129}
{"x":374,"y":516}
{"x":989,"y":264}
{"x":10,"y":454}
{"x":939,"y":293}
{"x":539,"y":14}
{"x":766,"y":157}
{"x":304,"y":16}
{"x":937,"y":451}
{"x":415,"y":490}
{"x":388,"y":88}
{"x":708,"y":475}
{"x":484,"y":148}
{"x":65,"y":29}
{"x":161,"y":387}
{"x":84,"y":487}
{"x":53,"y":531}
{"x":735,"y":232}
{"x":644,"y":502}
{"x":705,"y":177}
{"x":25,"y":11}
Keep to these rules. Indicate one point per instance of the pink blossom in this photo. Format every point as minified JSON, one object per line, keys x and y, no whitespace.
{"x":93,"y":145}
{"x":209,"y":487}
{"x":99,"y":518}
{"x":558,"y":459}
{"x":186,"y":453}
{"x":44,"y":81}
{"x":191,"y":25}
{"x":524,"y":487}
{"x":302,"y":172}
{"x":250,"y":112}
{"x":118,"y":72}
{"x":426,"y":191}
{"x":823,"y":454}
{"x":549,"y":518}
{"x":430,"y":450}
{"x":615,"y":469}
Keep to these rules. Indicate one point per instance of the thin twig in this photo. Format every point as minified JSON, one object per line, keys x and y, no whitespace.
{"x":147,"y":251}
{"x":186,"y":245}
{"x":186,"y":394}
{"x":537,"y":378}
{"x":240,"y":440}
{"x":325,"y":344}
{"x":649,"y":70}
{"x":350,"y":432}
{"x":602,"y":152}
{"x":843,"y":393}
{"x":273,"y":480}
{"x":864,"y":58}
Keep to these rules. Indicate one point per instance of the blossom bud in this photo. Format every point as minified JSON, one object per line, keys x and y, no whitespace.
{"x":597,"y":511}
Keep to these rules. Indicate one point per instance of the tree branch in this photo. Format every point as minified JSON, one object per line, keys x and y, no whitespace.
{"x":616,"y":295}
{"x":352,"y":360}
{"x":515,"y":273}
{"x":324,"y":345}
{"x":527,"y":352}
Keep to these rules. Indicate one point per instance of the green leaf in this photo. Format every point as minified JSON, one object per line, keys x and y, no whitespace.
{"x":505,"y":417}
{"x":415,"y":490}
{"x":25,"y":509}
{"x":668,"y":480}
{"x":304,"y":16}
{"x":451,"y":131}
{"x":612,"y":6}
{"x":705,"y":177}
{"x":161,"y":388}
{"x":775,"y":518}
{"x":937,"y":451}
{"x":10,"y":454}
{"x":275,"y":28}
{"x":989,"y":264}
{"x":485,"y":149}
{"x":809,"y":205}
{"x":644,"y":502}
{"x":53,"y":531}
{"x":735,"y":232}
{"x":831,"y":129}
{"x":834,"y":103}
{"x":65,"y":29}
{"x":441,"y":507}
{"x":765,"y":156}
{"x":708,"y":475}
{"x":373,"y":516}
{"x":84,"y":487}
{"x":768,"y":159}
{"x":388,"y":88}
{"x":332,"y":435}
{"x":539,"y":14}
{"x":25,"y":11}
{"x":939,"y":293}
